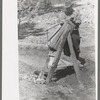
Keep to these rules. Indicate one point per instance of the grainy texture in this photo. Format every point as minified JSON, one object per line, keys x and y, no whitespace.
{"x":33,"y":53}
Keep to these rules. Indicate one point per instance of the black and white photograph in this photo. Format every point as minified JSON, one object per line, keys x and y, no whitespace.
{"x":57,"y":49}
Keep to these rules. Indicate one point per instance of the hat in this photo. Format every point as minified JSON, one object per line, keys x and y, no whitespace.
{"x":68,"y":9}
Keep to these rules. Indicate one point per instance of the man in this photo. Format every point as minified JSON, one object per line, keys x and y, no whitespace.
{"x":54,"y":43}
{"x":74,"y":18}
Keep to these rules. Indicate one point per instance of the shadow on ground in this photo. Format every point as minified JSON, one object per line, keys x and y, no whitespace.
{"x":63,"y":73}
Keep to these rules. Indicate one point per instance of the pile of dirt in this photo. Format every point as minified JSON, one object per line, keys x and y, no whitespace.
{"x":87,"y":13}
{"x":86,"y":9}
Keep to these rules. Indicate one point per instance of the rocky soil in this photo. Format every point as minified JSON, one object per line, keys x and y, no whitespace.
{"x":33,"y":53}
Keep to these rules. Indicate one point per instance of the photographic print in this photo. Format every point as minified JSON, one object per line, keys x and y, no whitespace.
{"x":57,"y":49}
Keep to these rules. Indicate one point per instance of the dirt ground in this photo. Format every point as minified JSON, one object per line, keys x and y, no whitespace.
{"x":32,"y":55}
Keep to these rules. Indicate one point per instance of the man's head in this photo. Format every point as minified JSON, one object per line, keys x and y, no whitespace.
{"x":68,"y":10}
{"x":73,"y":13}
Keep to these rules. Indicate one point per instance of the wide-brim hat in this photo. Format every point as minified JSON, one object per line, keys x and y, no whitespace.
{"x":69,"y":10}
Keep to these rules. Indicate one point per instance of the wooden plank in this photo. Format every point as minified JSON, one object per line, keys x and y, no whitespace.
{"x":73,"y":58}
{"x":67,"y":30}
{"x":53,"y":43}
{"x":52,"y":32}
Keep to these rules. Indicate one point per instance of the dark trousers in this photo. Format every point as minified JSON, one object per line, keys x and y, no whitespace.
{"x":76,"y":44}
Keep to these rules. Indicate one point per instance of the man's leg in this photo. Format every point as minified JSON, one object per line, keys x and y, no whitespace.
{"x":76,"y":46}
